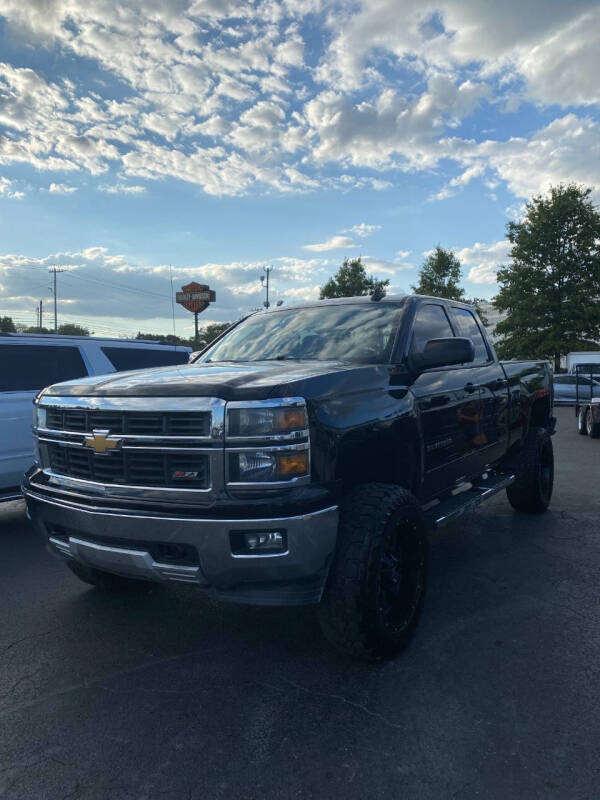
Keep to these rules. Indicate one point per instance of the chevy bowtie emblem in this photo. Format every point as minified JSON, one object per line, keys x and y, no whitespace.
{"x":101,"y":443}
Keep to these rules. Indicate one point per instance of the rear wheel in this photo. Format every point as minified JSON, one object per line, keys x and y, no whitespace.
{"x":582,"y":421}
{"x":106,"y":580}
{"x":593,"y":428}
{"x":532,"y":489}
{"x":376,"y":586}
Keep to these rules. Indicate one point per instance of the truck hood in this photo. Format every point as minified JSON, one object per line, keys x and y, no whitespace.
{"x":230,"y":381}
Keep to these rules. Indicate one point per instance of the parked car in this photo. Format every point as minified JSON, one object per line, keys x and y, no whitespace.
{"x":301,"y":459}
{"x":567,"y":387}
{"x":29,"y":362}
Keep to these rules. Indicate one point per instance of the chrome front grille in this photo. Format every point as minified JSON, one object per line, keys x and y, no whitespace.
{"x":159,"y":447}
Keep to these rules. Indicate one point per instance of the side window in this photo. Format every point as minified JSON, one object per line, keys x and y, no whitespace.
{"x":467,"y":326}
{"x":430,"y":322}
{"x":28,"y":367}
{"x":123,"y":358}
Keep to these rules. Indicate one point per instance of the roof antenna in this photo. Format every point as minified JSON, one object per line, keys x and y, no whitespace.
{"x":377,"y":294}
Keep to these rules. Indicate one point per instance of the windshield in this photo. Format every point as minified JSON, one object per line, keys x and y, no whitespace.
{"x":355,"y":333}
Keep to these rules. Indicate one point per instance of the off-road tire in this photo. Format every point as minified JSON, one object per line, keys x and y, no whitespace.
{"x":532,"y":490}
{"x":106,"y":580}
{"x":592,"y":428}
{"x":376,"y":586}
{"x":582,"y":421}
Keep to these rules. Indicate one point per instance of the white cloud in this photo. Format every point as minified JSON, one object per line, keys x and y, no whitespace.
{"x":552,"y":47}
{"x":363,"y":229}
{"x":7,"y":189}
{"x":567,"y":149}
{"x":121,"y":188}
{"x":61,"y":188}
{"x":403,"y":254}
{"x":372,"y":133}
{"x":450,"y":189}
{"x":484,"y":259}
{"x":95,"y":280}
{"x":334,"y":243}
{"x":222,"y":95}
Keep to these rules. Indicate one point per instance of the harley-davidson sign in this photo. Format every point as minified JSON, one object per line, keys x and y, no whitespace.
{"x":195,"y":297}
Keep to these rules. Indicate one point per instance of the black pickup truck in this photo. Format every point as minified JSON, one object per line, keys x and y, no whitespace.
{"x":302,"y":458}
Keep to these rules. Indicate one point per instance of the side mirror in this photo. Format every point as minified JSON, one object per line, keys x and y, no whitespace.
{"x":443,"y":353}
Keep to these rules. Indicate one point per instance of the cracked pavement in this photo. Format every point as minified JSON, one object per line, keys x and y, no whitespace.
{"x":168,"y":694}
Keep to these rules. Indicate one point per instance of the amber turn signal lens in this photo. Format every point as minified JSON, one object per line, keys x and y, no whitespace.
{"x":292,"y":465}
{"x":290,"y":419}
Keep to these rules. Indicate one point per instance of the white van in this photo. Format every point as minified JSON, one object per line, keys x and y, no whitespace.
{"x":29,"y":362}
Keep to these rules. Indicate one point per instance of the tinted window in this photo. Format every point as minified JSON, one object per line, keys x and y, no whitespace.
{"x":123,"y":358}
{"x":430,"y":322}
{"x":359,"y":333}
{"x":26,"y":367}
{"x":467,"y":326}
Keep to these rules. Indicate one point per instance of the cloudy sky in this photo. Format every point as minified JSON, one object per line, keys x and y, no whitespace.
{"x":149,"y":140}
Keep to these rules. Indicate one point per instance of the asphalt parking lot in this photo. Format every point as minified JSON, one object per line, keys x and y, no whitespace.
{"x":169,"y":694}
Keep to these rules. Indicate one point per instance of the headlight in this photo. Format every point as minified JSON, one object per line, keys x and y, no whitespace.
{"x":264,"y":466}
{"x":266,"y":421}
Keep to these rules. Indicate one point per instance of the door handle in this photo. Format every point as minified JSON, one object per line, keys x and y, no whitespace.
{"x":471,"y":387}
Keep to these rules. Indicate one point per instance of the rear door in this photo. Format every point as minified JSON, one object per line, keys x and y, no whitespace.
{"x":25,"y":368}
{"x":449,"y":407}
{"x":492,"y":386}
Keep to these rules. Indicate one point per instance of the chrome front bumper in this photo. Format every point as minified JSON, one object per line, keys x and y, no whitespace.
{"x":88,"y":534}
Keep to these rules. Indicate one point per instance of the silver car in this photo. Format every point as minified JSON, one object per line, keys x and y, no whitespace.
{"x":565,"y":389}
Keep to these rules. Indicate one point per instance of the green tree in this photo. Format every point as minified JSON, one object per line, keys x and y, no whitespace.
{"x":205,"y":336}
{"x":71,"y":329}
{"x":165,"y":338}
{"x":351,"y":280}
{"x":7,"y":325}
{"x":551,"y":289}
{"x":440,"y":275}
{"x":210,"y":332}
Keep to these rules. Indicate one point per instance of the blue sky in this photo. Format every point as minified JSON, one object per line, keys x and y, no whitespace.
{"x":145,"y":140}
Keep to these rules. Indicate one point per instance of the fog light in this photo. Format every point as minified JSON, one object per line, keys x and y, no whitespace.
{"x":258,"y":542}
{"x":263,"y":541}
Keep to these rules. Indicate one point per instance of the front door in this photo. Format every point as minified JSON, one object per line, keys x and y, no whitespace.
{"x":449,"y":404}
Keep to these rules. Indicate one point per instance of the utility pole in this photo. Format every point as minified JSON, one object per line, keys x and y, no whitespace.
{"x":268,"y":271}
{"x":40,"y":325}
{"x":54,"y":271}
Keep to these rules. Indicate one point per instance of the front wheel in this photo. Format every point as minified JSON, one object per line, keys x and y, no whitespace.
{"x":534,"y":480}
{"x":582,"y":421}
{"x":376,"y":585}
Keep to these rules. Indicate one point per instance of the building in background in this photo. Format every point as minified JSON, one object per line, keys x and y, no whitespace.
{"x":493,"y":317}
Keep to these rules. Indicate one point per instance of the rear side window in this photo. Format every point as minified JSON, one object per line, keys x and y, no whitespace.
{"x":467,"y":326}
{"x":430,"y":322}
{"x":123,"y":358}
{"x":25,"y":367}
